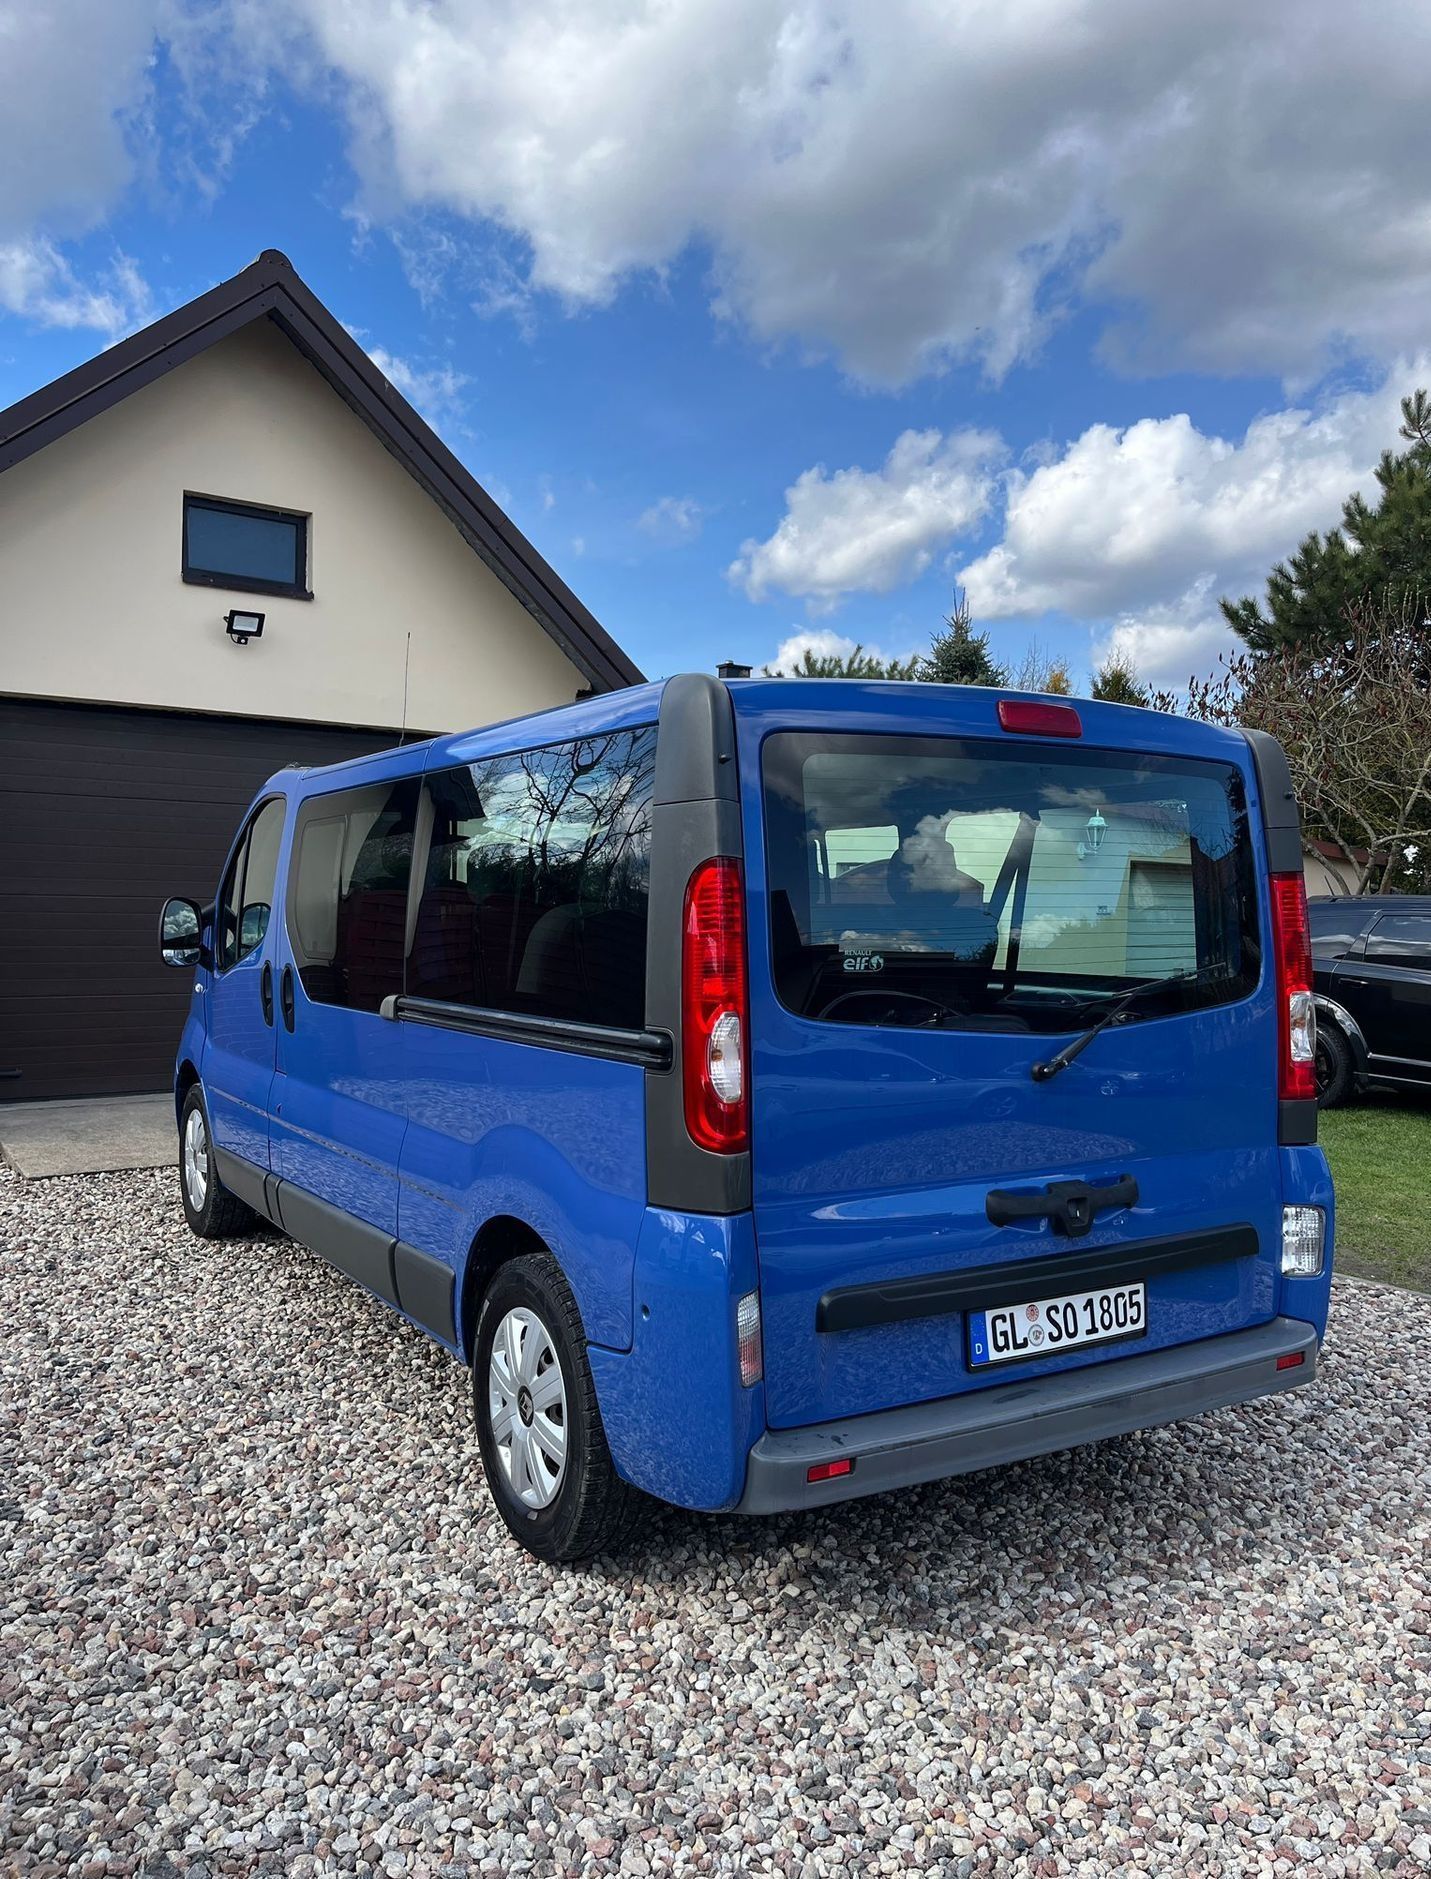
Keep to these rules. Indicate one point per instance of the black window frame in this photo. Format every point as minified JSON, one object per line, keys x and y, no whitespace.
{"x":296,"y":589}
{"x":1393,"y":957}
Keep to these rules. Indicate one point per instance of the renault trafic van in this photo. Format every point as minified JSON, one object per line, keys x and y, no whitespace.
{"x":777,"y":1091}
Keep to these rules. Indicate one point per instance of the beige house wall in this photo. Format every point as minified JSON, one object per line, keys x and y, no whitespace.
{"x":93,"y":606}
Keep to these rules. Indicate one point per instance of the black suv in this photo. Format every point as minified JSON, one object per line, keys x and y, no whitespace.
{"x":1371,"y":970}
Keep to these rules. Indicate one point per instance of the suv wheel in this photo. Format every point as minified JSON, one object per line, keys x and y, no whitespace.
{"x":1333,"y":1067}
{"x":211,"y":1211}
{"x":543,"y":1447}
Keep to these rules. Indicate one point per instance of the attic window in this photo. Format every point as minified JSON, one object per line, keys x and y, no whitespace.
{"x":241,"y":546}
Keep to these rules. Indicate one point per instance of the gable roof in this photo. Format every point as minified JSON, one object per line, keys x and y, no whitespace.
{"x":271,"y":289}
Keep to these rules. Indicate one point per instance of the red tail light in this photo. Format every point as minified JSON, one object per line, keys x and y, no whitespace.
{"x":1296,"y":1018}
{"x":714,"y":1008}
{"x":1039,"y":720}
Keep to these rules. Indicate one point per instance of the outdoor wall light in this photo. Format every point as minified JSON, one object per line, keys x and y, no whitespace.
{"x":242,"y":627}
{"x":1097,"y":828}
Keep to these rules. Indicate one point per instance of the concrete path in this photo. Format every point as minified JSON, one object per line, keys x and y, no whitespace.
{"x":94,"y":1136}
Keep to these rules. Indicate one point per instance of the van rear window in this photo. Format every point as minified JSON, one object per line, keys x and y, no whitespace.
{"x":943,"y":882}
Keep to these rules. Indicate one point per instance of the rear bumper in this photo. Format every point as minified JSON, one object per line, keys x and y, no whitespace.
{"x":897,"y":1448}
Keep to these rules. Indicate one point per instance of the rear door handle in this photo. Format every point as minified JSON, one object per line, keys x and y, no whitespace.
{"x":1068,"y":1206}
{"x":265,"y":992}
{"x":285,"y":996}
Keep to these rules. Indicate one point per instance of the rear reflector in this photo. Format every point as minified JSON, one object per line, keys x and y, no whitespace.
{"x":829,"y":1470}
{"x":1291,"y":1360}
{"x":1296,"y":1016}
{"x":1039,"y":720}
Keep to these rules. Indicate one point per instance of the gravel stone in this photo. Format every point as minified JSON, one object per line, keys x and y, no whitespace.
{"x":256,"y":1616}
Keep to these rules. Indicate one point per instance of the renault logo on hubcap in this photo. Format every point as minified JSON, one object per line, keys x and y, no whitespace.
{"x":524,"y":1404}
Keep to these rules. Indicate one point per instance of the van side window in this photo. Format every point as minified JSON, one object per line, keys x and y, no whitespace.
{"x":246,"y":898}
{"x":536,"y":889}
{"x":347,"y":898}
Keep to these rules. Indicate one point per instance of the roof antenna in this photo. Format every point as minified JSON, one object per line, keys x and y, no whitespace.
{"x":406,"y":662}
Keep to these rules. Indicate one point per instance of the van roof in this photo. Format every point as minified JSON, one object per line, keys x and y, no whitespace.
{"x":877,"y":705}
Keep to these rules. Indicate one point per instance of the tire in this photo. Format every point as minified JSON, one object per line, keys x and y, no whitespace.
{"x":538,"y":1392}
{"x":211,"y":1211}
{"x":1336,"y":1076}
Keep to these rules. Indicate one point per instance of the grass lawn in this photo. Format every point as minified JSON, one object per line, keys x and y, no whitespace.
{"x":1380,"y":1151}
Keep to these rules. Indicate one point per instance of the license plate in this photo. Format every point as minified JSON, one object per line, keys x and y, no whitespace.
{"x":1009,"y":1334}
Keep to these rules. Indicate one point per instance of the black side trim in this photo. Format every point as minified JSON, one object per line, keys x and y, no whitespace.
{"x":425,"y":1290}
{"x":696,"y":815}
{"x":1280,"y":822}
{"x":364,"y":1252}
{"x":1297,"y":1123}
{"x":241,"y":1178}
{"x":650,"y":1049}
{"x":1016,"y":1281}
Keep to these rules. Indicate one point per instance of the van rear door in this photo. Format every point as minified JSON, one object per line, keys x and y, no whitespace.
{"x":949,"y":907}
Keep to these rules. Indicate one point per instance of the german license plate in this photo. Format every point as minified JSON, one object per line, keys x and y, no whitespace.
{"x":1009,"y":1334}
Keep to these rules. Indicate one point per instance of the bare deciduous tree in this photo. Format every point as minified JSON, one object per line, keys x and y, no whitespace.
{"x":1354,"y":717}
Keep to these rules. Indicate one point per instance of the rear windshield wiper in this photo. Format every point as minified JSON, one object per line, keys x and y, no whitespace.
{"x":1051,"y":1066}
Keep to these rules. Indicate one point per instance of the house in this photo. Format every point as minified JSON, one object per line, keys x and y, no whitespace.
{"x":226,"y":544}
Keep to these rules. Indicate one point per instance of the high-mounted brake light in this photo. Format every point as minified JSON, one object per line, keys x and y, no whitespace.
{"x":1296,"y":1015}
{"x":1039,"y":720}
{"x":714,"y":1014}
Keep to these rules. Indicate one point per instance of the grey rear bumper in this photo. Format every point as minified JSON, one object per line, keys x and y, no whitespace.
{"x":897,"y":1448}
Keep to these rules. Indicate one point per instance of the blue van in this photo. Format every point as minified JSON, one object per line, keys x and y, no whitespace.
{"x":778,"y":1091}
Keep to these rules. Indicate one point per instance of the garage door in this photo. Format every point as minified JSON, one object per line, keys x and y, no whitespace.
{"x":103,"y":814}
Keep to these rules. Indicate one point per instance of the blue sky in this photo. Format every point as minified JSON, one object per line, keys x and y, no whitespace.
{"x":775,"y":320}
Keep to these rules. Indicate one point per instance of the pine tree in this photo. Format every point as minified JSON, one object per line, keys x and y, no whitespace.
{"x":1116,"y":682}
{"x":854,"y":665}
{"x":959,"y":655}
{"x":1381,"y":548}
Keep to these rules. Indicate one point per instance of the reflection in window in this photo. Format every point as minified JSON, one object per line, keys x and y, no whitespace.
{"x":348,"y":896}
{"x":536,"y":888}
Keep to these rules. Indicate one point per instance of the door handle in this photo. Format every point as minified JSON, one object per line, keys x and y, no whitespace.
{"x":265,"y":992}
{"x":1068,"y":1206}
{"x":285,"y":996}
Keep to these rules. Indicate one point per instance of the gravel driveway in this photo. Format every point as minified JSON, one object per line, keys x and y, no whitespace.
{"x":255,"y":1615}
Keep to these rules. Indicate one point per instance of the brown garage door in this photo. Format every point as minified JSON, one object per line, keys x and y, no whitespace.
{"x":104,"y":812}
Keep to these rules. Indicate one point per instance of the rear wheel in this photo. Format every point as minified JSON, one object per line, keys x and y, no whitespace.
{"x":1335,"y":1075}
{"x":543,"y":1447}
{"x":211,"y":1211}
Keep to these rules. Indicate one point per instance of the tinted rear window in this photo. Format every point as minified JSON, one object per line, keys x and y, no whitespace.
{"x":934,"y":881}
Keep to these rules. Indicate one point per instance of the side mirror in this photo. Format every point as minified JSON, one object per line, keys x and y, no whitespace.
{"x":181,"y":929}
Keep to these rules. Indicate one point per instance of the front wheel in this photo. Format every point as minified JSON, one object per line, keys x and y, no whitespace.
{"x":211,"y":1211}
{"x":1333,"y":1065}
{"x":543,"y":1447}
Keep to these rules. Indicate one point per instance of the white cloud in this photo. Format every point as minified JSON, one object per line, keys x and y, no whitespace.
{"x":73,"y":77}
{"x":40,"y":286}
{"x":867,"y":531}
{"x":1168,"y":645}
{"x":672,"y":519}
{"x":1154,"y":516}
{"x":906,"y":184}
{"x":825,"y":644}
{"x":435,"y":390}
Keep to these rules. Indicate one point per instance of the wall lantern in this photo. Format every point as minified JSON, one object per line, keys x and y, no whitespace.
{"x":242,"y":627}
{"x":1097,"y":828}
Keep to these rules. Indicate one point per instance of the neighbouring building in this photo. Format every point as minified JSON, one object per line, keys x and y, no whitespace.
{"x":242,"y":457}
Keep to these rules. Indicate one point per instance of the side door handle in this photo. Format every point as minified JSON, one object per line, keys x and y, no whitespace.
{"x":265,"y":992}
{"x":285,"y":995}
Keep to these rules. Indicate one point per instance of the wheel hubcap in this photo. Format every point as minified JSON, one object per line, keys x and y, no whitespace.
{"x":526,"y":1402}
{"x":196,"y":1160}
